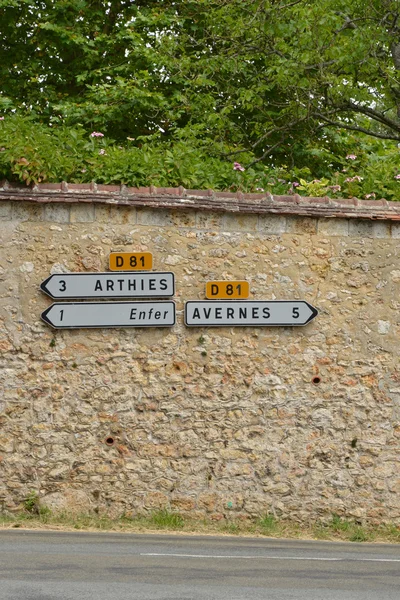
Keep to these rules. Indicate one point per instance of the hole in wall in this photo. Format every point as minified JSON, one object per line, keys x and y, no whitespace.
{"x":109,"y":441}
{"x":316,"y":380}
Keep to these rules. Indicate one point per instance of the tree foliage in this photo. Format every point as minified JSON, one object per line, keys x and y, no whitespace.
{"x":289,"y":84}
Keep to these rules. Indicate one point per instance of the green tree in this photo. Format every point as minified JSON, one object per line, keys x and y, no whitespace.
{"x":273,"y":75}
{"x":97,"y":63}
{"x":269,"y":81}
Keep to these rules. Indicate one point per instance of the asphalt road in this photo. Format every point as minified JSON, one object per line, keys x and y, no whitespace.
{"x":107,"y":566}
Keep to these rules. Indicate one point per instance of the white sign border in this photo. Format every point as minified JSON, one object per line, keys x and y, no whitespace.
{"x":44,"y":318}
{"x":314,"y":314}
{"x":107,"y":273}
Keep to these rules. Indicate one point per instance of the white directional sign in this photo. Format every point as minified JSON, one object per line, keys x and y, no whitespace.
{"x":73,"y":315}
{"x":109,"y":285}
{"x":238,"y":313}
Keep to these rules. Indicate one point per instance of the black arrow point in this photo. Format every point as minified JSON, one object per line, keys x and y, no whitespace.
{"x":314,"y":313}
{"x":45,"y":317}
{"x":43,"y":286}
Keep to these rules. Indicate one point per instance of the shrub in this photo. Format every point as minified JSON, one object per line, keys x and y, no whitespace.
{"x":31,"y":152}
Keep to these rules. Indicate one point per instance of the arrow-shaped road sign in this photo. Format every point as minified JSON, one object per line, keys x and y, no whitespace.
{"x":74,"y":315}
{"x":63,"y":286}
{"x":238,"y":313}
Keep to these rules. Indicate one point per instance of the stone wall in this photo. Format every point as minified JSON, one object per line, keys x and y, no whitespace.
{"x":300,"y":422}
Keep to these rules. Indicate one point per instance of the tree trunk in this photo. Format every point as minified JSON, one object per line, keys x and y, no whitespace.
{"x":395,"y":49}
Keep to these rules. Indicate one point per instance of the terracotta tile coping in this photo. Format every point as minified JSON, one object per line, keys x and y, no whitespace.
{"x":203,"y":200}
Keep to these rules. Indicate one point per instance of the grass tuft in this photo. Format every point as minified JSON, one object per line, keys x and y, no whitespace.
{"x":359,"y":534}
{"x":231,"y":527}
{"x":268,"y":524}
{"x":337,"y":524}
{"x":164,"y":519}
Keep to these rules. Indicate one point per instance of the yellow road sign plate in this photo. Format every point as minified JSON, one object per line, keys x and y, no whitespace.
{"x":131,"y":261}
{"x":233,"y":290}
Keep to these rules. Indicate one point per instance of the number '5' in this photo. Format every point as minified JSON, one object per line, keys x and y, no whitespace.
{"x":295,"y":313}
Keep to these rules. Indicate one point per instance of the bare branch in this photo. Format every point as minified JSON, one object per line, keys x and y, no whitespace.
{"x":283,"y":128}
{"x":320,"y":65}
{"x":382,"y":136}
{"x":375,"y":115}
{"x":268,"y":151}
{"x":266,"y":135}
{"x":395,"y":50}
{"x":235,"y":152}
{"x":288,"y":5}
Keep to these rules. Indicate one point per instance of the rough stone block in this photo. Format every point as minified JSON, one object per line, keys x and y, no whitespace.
{"x":58,"y":213}
{"x":243,"y":222}
{"x":160,"y":217}
{"x":27,"y":211}
{"x":333,"y":227}
{"x":208,"y":220}
{"x":82,"y":213}
{"x":106,"y":213}
{"x":306,"y":225}
{"x":5,"y":211}
{"x":381,"y":229}
{"x":275,"y":224}
{"x":359,"y":228}
{"x":163,"y":217}
{"x":396,"y":231}
{"x":182,"y":218}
